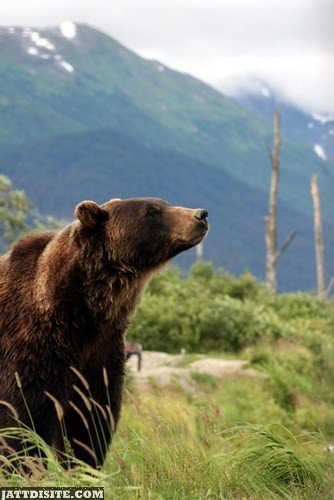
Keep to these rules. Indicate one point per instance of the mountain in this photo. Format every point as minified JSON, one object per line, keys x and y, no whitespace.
{"x":312,"y":129}
{"x":84,"y":117}
{"x":236,"y":210}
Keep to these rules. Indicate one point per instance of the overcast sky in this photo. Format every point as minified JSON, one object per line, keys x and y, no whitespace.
{"x":289,"y":43}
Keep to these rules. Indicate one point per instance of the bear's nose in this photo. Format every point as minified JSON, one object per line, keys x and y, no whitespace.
{"x":201,"y":214}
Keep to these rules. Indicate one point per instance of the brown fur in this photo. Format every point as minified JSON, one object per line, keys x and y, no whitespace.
{"x":66,"y":300}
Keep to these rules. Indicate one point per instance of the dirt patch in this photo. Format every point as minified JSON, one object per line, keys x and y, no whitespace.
{"x":221,"y":368}
{"x":163,"y":368}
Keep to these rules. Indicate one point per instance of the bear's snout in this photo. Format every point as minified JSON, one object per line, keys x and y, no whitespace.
{"x":202,"y":216}
{"x":191,"y":225}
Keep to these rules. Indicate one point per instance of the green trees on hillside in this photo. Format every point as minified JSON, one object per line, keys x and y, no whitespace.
{"x":16,"y":216}
{"x":14,"y":209}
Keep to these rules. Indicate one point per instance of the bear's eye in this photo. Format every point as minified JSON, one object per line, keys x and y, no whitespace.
{"x":152,"y":211}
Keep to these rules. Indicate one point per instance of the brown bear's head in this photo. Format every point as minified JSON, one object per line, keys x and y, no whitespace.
{"x":143,"y":232}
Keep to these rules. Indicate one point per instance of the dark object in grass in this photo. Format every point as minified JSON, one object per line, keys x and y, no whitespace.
{"x":134,"y":349}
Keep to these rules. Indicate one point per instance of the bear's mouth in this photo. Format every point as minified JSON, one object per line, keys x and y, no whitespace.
{"x":202,"y":230}
{"x":203,"y":224}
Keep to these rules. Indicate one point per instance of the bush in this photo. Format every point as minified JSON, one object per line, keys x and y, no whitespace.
{"x":231,"y":325}
{"x":206,"y":311}
{"x":298,"y":305}
{"x":222,"y":283}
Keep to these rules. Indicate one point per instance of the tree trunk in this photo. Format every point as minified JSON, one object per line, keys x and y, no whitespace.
{"x":318,"y":237}
{"x":271,"y":219}
{"x":199,"y":252}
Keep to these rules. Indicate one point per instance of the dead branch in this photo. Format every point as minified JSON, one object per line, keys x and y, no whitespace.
{"x":329,"y":288}
{"x":286,"y":244}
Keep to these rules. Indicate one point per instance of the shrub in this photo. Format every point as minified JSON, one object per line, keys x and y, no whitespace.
{"x":298,"y":305}
{"x":211,"y":310}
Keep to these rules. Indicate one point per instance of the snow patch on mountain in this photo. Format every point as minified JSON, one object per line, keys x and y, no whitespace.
{"x":265,"y":92}
{"x":36,"y":38}
{"x":323,"y":118}
{"x":67,"y":66}
{"x":63,"y":64}
{"x":319,"y":150}
{"x":68,"y":29}
{"x":33,"y":51}
{"x":41,"y":47}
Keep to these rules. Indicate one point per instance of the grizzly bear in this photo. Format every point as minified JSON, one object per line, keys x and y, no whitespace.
{"x":66,"y":301}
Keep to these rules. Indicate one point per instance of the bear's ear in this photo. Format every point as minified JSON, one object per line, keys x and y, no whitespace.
{"x":90,"y":214}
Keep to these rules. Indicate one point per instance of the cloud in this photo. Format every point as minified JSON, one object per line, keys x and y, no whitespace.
{"x":287,"y":42}
{"x":304,"y":79}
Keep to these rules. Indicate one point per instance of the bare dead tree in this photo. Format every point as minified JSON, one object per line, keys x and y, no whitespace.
{"x":318,"y":238}
{"x":271,"y":219}
{"x":272,"y":253}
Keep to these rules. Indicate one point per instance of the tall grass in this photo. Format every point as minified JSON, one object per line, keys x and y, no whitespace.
{"x":170,"y":447}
